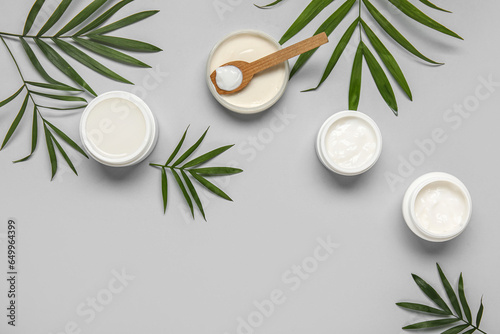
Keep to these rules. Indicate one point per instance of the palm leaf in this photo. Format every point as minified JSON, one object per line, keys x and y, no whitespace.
{"x":268,"y":5}
{"x":212,"y":171}
{"x":125,"y":22}
{"x":56,"y":15}
{"x":16,"y":122}
{"x":433,"y":6}
{"x":378,"y":74}
{"x":88,"y":61}
{"x":328,"y":27}
{"x":210,"y":186}
{"x":479,"y":316}
{"x":164,"y":189}
{"x":50,"y":149}
{"x":82,"y":16}
{"x":339,"y":49}
{"x":416,"y":14}
{"x":103,"y":17}
{"x":70,"y":108}
{"x":53,"y":86}
{"x":431,"y":293}
{"x":456,"y":330}
{"x":432,"y":323}
{"x":207,"y":156}
{"x":110,"y":53}
{"x":190,"y":150}
{"x":68,"y":140}
{"x":62,"y":65}
{"x":312,"y":10}
{"x":355,"y":85}
{"x":449,"y":291}
{"x":32,"y":16}
{"x":422,"y":308}
{"x":463,"y":299}
{"x":12,"y":97}
{"x":470,"y":331}
{"x":34,"y":136}
{"x":63,"y":153}
{"x":387,"y":59}
{"x":193,"y":192}
{"x":177,"y":148}
{"x":183,"y":189}
{"x":125,"y":43}
{"x":60,"y":97}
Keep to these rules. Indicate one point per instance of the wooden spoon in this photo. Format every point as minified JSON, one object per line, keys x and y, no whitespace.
{"x":250,"y":69}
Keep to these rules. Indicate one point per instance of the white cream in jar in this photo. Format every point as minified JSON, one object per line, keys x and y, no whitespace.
{"x":437,"y":207}
{"x":349,"y":143}
{"x":118,"y":129}
{"x":266,"y":87}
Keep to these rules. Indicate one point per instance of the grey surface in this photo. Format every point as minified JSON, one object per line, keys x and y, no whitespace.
{"x":199,"y":277}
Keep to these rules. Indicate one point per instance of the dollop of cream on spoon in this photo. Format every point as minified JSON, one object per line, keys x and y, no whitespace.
{"x":228,"y":78}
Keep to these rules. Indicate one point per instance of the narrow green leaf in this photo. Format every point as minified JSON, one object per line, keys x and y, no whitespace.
{"x":395,"y":34}
{"x":455,"y":330}
{"x":355,"y":85}
{"x":432,"y":323}
{"x":193,"y":192}
{"x":470,"y":331}
{"x":216,"y":171}
{"x":177,"y":148}
{"x":34,"y":136}
{"x":88,"y":61}
{"x":388,"y":59}
{"x":433,"y":6}
{"x":50,"y":149}
{"x":16,"y":122}
{"x":63,"y":153}
{"x":422,"y":308}
{"x":480,"y":314}
{"x":67,"y":139}
{"x":60,"y":97}
{"x":62,"y":65}
{"x":183,"y":189}
{"x":449,"y":291}
{"x":125,"y":43}
{"x":416,"y":14}
{"x":82,"y":16}
{"x":12,"y":97}
{"x":339,"y":49}
{"x":328,"y":27}
{"x":72,"y":108}
{"x":210,"y":186}
{"x":207,"y":156}
{"x":38,"y":66}
{"x":103,"y":18}
{"x":383,"y":84}
{"x":125,"y":22}
{"x":431,"y":293}
{"x":268,"y":5}
{"x":53,"y":86}
{"x":164,"y":188}
{"x":463,"y":299}
{"x":312,"y":10}
{"x":55,"y":16}
{"x":110,"y":53}
{"x":190,"y":150}
{"x":32,"y":15}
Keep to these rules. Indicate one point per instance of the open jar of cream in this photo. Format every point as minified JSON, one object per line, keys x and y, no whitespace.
{"x":266,"y":88}
{"x":118,"y":129}
{"x":437,"y":207}
{"x":349,"y":143}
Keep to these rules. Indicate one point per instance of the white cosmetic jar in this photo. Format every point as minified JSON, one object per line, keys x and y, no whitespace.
{"x":118,"y":129}
{"x":437,"y":207}
{"x":266,"y":88}
{"x":349,"y":143}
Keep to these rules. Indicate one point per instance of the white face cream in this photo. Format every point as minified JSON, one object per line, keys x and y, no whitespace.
{"x":118,"y":129}
{"x":228,"y":78}
{"x":265,"y":88}
{"x":437,"y":207}
{"x":349,"y":143}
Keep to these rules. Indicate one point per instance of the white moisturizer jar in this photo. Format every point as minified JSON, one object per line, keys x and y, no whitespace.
{"x":437,"y":207}
{"x":118,"y":129}
{"x":266,"y":87}
{"x":349,"y":143}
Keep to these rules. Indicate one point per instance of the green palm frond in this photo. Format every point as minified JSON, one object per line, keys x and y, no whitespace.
{"x":444,"y":316}
{"x":182,"y":168}
{"x":380,"y":68}
{"x":79,"y":39}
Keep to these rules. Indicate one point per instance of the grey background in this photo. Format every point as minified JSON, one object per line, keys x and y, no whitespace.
{"x":199,"y":277}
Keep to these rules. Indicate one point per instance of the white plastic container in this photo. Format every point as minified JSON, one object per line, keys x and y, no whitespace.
{"x":118,"y":129}
{"x":437,"y":207}
{"x":349,"y":143}
{"x":266,"y":87}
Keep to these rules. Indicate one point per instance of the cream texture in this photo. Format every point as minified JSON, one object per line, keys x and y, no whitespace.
{"x":249,"y":47}
{"x":116,"y":128}
{"x":351,"y":143}
{"x":228,"y":78}
{"x":441,"y":208}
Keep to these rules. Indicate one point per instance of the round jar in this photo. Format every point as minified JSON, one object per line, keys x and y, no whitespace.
{"x":266,"y":87}
{"x":349,"y":143}
{"x":437,"y":207}
{"x":118,"y":129}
